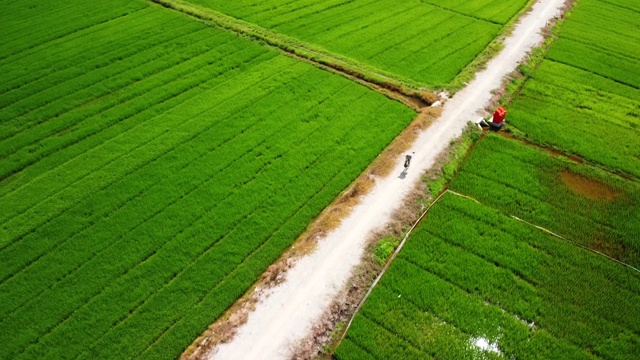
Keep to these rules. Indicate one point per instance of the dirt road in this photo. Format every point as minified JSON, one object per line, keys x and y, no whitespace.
{"x":287,"y":314}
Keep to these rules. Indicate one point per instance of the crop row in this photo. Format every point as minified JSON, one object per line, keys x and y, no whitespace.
{"x":235,"y":207}
{"x":198,"y":166}
{"x":55,"y":22}
{"x":60,"y":97}
{"x":161,"y":78}
{"x":147,"y":188}
{"x":447,"y":289}
{"x":584,"y":97}
{"x":490,"y":10}
{"x":414,"y":40}
{"x":532,"y":185}
{"x":111,"y":158}
{"x":104,"y":44}
{"x":108,"y":48}
{"x":469,"y":271}
{"x":581,"y":110}
{"x":197,"y":161}
{"x":191,"y":102}
{"x":150,"y":131}
{"x":233,"y":221}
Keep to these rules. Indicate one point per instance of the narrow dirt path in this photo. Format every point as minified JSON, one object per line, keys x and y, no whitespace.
{"x":289,"y":311}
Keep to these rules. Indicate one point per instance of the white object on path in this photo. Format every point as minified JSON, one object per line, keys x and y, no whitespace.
{"x":289,"y":311}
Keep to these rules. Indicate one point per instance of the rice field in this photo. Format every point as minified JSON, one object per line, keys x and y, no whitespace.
{"x":152,"y":168}
{"x":585,"y":204}
{"x":428,"y":42}
{"x":525,"y":262}
{"x":473,"y":283}
{"x":585,"y":96}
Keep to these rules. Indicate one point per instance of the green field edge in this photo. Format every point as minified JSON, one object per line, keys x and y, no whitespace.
{"x":342,"y":64}
{"x":513,"y":87}
{"x":490,"y":51}
{"x":525,"y":72}
{"x":535,"y":228}
{"x":293,"y":46}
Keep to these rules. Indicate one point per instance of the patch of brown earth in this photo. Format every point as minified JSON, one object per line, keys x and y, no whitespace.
{"x":589,"y":188}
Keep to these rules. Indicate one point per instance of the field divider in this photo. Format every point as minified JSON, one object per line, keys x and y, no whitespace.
{"x":576,"y":244}
{"x":534,"y":197}
{"x":463,"y":14}
{"x":411,"y":93}
{"x":386,"y":266}
{"x":548,"y":232}
{"x":406,"y":236}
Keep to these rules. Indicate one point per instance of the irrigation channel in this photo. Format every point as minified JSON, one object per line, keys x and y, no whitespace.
{"x":289,"y":310}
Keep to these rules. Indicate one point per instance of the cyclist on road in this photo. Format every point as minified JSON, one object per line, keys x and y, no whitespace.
{"x":407,"y":162}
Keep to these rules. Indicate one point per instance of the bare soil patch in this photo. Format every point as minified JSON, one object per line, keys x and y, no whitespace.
{"x":589,"y":188}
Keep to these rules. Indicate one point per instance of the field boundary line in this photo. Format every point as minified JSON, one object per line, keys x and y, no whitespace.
{"x":281,"y":41}
{"x":405,"y":238}
{"x":387,"y":265}
{"x":405,"y":90}
{"x":548,"y":231}
{"x":575,"y":158}
{"x":457,"y":12}
{"x":578,"y":245}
